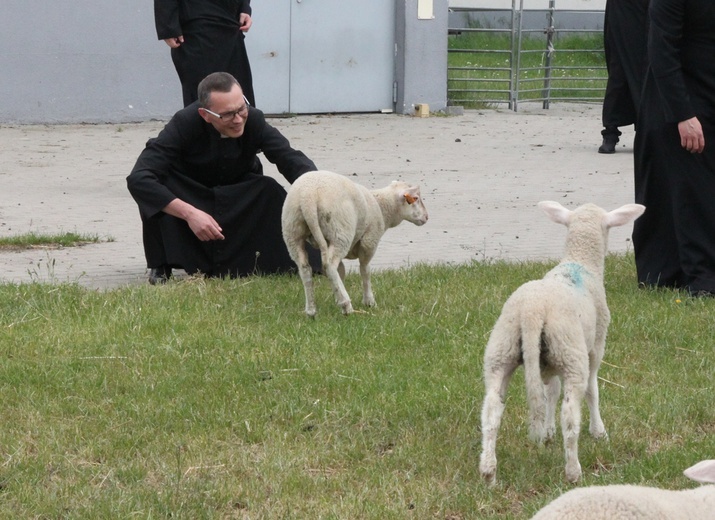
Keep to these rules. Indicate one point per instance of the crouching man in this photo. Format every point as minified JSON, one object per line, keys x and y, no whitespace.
{"x":205,"y":205}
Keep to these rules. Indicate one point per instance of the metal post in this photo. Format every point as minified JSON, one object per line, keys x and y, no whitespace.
{"x":516,"y":25}
{"x":549,"y":54}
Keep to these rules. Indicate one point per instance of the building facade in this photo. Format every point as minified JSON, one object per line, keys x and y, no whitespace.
{"x":99,"y":61}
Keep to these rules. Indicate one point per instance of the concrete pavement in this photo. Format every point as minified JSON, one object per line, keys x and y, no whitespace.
{"x":481,"y":176}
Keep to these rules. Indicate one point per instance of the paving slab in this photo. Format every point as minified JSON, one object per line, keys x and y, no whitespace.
{"x":481,"y":175}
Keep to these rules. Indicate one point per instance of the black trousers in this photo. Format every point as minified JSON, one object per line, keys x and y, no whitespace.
{"x":625,"y":45}
{"x":674,"y":240}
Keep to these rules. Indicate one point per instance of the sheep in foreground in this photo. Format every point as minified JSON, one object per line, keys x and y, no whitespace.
{"x":343,"y":220}
{"x":557,"y":328}
{"x":638,"y":502}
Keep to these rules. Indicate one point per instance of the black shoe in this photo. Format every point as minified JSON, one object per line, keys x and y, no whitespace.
{"x":159,"y":275}
{"x":608,"y":145}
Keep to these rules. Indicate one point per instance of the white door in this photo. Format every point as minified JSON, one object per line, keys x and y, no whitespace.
{"x":317,"y":56}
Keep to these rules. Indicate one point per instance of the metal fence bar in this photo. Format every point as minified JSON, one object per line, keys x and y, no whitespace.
{"x":549,"y":55}
{"x":517,"y":32}
{"x":478,"y":84}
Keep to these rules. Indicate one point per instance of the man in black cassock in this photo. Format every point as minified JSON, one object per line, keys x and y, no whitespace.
{"x":205,"y":204}
{"x":625,"y":33}
{"x":674,"y":150}
{"x":206,"y":36}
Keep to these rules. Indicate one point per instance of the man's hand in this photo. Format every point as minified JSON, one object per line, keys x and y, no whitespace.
{"x":245,"y":22}
{"x":204,"y":226}
{"x":174,"y":42}
{"x":691,"y":135}
{"x":201,"y":223}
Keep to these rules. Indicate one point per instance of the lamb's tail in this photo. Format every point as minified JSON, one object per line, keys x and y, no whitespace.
{"x":309,"y":209}
{"x":532,"y":327}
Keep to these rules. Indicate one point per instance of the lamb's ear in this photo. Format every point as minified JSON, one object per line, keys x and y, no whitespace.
{"x":703,"y":471}
{"x":555,"y":211}
{"x":410,"y":198}
{"x":623,"y":215}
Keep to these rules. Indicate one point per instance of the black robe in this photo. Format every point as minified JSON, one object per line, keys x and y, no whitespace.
{"x":674,"y":240}
{"x":213,"y":41}
{"x":221,"y":176}
{"x":625,"y":35}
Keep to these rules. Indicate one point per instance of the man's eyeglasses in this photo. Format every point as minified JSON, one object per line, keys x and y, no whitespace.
{"x":229,"y":116}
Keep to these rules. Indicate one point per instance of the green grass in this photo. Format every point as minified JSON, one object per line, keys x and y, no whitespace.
{"x":480,"y":68}
{"x":220,"y":399}
{"x":30,"y":240}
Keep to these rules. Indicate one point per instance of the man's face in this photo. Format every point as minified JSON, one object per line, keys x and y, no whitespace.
{"x":227,"y":112}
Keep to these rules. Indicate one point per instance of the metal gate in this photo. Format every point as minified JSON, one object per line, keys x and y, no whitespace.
{"x":312,"y":56}
{"x":534,"y":55}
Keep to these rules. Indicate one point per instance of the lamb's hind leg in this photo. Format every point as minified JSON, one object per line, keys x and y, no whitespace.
{"x":574,"y":389}
{"x":553,"y":391}
{"x":596,"y":427}
{"x":332,"y":264}
{"x":496,"y":382}
{"x":300,"y":257}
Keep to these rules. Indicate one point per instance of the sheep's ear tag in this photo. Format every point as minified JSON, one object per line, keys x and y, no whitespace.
{"x":409,"y":198}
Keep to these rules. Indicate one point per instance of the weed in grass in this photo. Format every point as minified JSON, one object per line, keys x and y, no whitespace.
{"x":48,"y":241}
{"x":219,"y":399}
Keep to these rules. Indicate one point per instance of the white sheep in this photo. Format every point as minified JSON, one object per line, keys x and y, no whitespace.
{"x":626,"y":502}
{"x":557,"y":328}
{"x":344,"y":220}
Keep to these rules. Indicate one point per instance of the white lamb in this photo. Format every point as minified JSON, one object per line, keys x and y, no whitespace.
{"x":557,"y":328}
{"x":344,"y":220}
{"x":627,"y":502}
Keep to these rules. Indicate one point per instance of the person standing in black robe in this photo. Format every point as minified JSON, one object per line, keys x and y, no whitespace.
{"x":206,"y":36}
{"x":205,"y":205}
{"x":625,"y":35}
{"x":674,"y":241}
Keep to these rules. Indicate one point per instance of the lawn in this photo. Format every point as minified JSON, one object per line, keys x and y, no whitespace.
{"x":483,"y":69}
{"x":47,"y":241}
{"x":221,"y":399}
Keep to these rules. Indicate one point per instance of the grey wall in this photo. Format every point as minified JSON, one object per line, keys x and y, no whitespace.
{"x":95,"y":61}
{"x":421,"y":64}
{"x":83,"y":61}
